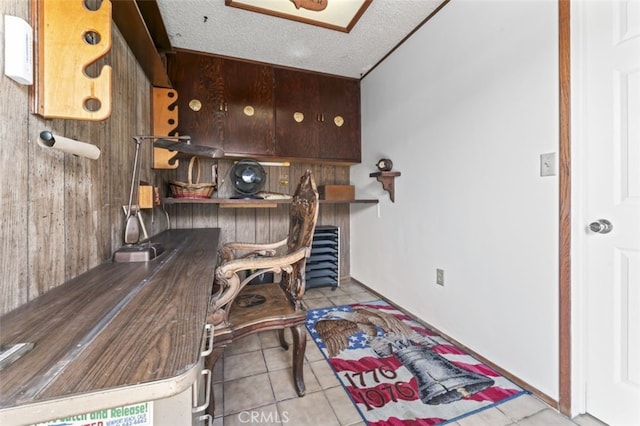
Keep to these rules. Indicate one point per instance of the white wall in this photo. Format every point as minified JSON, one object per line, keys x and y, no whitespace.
{"x":464,"y":109}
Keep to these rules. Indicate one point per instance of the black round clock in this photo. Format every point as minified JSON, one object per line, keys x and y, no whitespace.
{"x":384,"y":165}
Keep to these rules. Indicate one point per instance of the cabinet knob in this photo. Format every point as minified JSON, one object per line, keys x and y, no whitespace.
{"x":195,"y":105}
{"x":298,"y":117}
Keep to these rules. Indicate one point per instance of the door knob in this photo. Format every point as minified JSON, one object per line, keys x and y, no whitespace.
{"x":601,"y":226}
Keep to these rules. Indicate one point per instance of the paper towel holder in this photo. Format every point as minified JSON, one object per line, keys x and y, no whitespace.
{"x":70,"y":146}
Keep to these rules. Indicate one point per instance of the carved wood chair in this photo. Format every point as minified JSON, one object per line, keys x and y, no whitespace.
{"x":238,"y":308}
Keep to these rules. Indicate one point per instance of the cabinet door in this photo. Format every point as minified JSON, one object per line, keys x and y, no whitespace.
{"x":198,"y":81}
{"x":317,"y":116}
{"x":297,"y":114}
{"x":340,"y":137}
{"x":224,"y":103}
{"x":248,"y":107}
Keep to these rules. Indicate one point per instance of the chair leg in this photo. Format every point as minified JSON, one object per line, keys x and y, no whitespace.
{"x":299,"y":346}
{"x":283,"y":341}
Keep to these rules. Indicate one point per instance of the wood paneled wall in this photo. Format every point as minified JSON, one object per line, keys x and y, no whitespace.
{"x":262,"y":224}
{"x":62,"y":215}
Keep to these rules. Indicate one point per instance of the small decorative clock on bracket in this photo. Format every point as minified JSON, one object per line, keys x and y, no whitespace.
{"x":384,"y":165}
{"x":385,"y":176}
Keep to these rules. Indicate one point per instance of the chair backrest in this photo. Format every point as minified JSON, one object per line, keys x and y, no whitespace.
{"x":303,"y":213}
{"x":302,"y":224}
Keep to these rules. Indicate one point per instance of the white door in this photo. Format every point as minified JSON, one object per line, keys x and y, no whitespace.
{"x":609,"y":70}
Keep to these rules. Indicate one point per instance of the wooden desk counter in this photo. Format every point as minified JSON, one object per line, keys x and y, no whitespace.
{"x":119,"y":334}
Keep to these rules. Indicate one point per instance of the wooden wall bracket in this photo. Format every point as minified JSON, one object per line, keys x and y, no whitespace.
{"x":164,"y":120}
{"x":387,"y":179}
{"x":70,"y":37}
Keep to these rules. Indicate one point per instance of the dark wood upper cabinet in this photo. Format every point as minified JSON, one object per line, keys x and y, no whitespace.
{"x":317,"y":116}
{"x":261,"y":111}
{"x":297,"y":114}
{"x":198,"y":81}
{"x":224,"y":102}
{"x":341,"y":119}
{"x":248,"y":105}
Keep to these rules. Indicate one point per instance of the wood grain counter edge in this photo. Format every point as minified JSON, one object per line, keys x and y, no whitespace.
{"x":149,"y":350}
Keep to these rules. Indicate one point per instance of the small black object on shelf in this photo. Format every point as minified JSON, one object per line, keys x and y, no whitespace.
{"x":384,"y":165}
{"x":248,"y":177}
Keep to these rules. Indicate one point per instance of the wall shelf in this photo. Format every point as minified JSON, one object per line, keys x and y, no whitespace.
{"x":249,"y":203}
{"x":387,"y":179}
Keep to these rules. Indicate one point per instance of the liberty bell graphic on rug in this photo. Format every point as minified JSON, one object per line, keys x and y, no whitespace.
{"x":439,"y":381}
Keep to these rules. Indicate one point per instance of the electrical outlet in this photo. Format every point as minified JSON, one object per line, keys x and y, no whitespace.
{"x":440,"y":277}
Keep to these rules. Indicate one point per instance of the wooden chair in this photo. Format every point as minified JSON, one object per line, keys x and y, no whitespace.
{"x":238,"y":309}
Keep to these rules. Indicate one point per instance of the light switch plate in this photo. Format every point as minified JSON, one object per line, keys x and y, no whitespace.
{"x":18,"y":50}
{"x":548,"y":164}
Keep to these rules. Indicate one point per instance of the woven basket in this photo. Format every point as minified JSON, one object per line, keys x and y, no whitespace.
{"x":192,"y":189}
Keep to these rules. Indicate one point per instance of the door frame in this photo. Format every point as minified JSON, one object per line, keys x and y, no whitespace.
{"x":565,"y":344}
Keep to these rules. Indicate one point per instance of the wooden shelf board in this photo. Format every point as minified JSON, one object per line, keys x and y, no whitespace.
{"x":384,"y":174}
{"x":248,"y":203}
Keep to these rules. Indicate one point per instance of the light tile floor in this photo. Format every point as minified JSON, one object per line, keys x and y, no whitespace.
{"x":253,"y":384}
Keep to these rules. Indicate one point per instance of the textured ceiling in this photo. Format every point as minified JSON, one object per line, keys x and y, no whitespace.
{"x":211,"y":26}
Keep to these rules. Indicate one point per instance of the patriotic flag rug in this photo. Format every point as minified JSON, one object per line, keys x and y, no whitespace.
{"x":397,"y":372}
